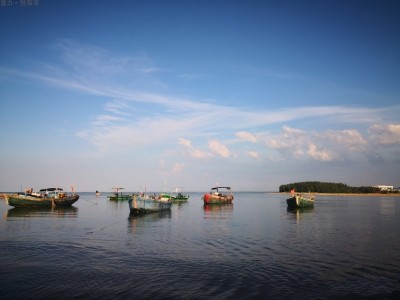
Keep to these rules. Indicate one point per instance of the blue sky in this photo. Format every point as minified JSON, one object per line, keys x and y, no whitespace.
{"x":251,"y":94}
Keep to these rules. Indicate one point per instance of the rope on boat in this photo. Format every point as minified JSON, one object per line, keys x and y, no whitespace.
{"x":94,"y":203}
{"x":90,"y":232}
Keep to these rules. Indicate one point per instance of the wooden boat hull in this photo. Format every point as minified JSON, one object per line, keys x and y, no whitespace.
{"x":140,"y":205}
{"x":180,"y":198}
{"x":66,"y":201}
{"x":28,"y":201}
{"x":217,"y":199}
{"x":175,"y":197}
{"x":300,"y":202}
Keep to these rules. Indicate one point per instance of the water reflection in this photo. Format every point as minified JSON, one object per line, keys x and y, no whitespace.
{"x":219,"y":211}
{"x":118,"y":205}
{"x":180,"y":204}
{"x":299,"y":213}
{"x":387,"y":207}
{"x":146,"y":220}
{"x":34,"y":212}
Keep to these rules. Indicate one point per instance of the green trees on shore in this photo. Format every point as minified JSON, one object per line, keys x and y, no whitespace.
{"x":326,"y":187}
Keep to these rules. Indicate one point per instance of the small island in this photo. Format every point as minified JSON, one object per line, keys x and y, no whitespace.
{"x":332,"y":188}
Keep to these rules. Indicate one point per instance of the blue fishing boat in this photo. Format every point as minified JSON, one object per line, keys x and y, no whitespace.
{"x":140,"y":204}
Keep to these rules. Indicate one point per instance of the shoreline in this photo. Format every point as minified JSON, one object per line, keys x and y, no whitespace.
{"x":348,"y":194}
{"x":3,"y":195}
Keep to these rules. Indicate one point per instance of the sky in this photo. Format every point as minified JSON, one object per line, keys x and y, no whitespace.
{"x":152,"y":95}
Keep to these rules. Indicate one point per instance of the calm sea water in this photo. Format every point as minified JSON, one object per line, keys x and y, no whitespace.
{"x":346,"y":247}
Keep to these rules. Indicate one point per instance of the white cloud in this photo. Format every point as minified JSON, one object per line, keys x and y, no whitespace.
{"x":318,"y":154}
{"x":219,"y":148}
{"x":350,"y":138}
{"x":254,"y":154}
{"x":385,"y":134}
{"x":185,"y":143}
{"x":192,"y":152}
{"x":178,"y":168}
{"x":289,"y":138}
{"x":247,"y":136}
{"x":327,"y":145}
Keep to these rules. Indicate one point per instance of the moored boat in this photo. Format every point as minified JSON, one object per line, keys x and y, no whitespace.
{"x":219,"y":195}
{"x":66,"y":200}
{"x":118,"y":195}
{"x":178,"y":196}
{"x":21,"y":200}
{"x":140,"y":204}
{"x":59,"y":197}
{"x":46,"y":198}
{"x":300,"y":200}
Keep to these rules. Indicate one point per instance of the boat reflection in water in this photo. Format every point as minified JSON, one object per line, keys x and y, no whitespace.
{"x":218,"y":210}
{"x":299,"y":213}
{"x":33,"y":212}
{"x":180,"y":204}
{"x":118,"y":205}
{"x":136,"y":221}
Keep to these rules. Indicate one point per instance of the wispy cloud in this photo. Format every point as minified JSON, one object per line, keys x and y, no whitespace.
{"x":136,"y":115}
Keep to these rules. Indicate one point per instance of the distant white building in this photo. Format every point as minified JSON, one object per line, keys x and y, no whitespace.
{"x":385,"y":187}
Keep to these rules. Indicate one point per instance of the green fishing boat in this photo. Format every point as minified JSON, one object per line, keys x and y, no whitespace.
{"x":301,"y":200}
{"x":117,"y":194}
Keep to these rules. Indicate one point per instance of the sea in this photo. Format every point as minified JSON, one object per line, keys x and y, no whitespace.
{"x":346,"y":247}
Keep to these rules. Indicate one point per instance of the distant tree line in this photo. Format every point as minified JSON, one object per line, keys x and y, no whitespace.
{"x":326,"y":187}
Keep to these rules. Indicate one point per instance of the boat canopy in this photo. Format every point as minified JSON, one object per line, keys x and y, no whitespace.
{"x":51,"y":189}
{"x":117,"y":189}
{"x":221,"y":187}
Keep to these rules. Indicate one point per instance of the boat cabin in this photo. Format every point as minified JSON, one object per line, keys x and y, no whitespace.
{"x":220,"y":190}
{"x":53,"y":192}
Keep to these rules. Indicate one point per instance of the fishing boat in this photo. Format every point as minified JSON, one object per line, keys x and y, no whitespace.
{"x":142,"y":203}
{"x":219,"y":195}
{"x":21,"y":200}
{"x":300,"y":200}
{"x":45,"y":198}
{"x":177,"y":195}
{"x":65,"y":200}
{"x":118,"y":195}
{"x":163,"y":196}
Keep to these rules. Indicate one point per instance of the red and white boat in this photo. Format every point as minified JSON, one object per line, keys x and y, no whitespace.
{"x":219,"y":195}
